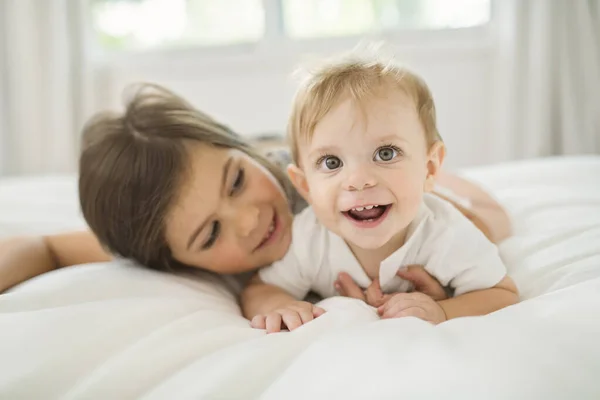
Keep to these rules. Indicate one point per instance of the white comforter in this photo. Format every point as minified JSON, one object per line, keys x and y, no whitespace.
{"x":116,"y":331}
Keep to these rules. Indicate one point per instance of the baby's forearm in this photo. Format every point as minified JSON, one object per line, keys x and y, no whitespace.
{"x":259,"y":298}
{"x":481,"y":302}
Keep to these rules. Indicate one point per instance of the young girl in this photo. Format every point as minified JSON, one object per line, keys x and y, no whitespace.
{"x":166,"y":185}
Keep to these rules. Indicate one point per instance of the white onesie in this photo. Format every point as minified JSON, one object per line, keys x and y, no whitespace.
{"x":440,"y":238}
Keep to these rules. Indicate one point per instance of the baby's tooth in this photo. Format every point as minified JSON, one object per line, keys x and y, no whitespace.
{"x":359,"y":208}
{"x":368,"y":207}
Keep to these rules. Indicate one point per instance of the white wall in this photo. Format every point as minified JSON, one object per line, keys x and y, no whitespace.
{"x":252,"y":93}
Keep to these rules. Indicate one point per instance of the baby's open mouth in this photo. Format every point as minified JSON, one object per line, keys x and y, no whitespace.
{"x":369,"y":213}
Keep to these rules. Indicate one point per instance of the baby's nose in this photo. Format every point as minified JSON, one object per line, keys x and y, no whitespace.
{"x":359,"y":179}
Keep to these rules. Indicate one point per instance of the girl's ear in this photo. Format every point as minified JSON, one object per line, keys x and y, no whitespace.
{"x":299,"y":181}
{"x":435,"y":159}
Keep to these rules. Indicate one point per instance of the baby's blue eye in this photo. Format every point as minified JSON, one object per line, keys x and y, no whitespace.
{"x":386,"y":154}
{"x":330,"y":162}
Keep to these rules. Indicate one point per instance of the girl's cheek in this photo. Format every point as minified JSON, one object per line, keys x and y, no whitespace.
{"x":233,"y":262}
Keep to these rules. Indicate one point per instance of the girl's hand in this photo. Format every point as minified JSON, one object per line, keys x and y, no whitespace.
{"x":291,"y":316}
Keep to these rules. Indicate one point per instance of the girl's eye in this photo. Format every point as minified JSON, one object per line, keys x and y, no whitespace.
{"x":387,"y":153}
{"x":214,"y":235}
{"x":329,"y":162}
{"x":238,"y":183}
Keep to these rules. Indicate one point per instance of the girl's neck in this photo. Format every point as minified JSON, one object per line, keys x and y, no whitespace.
{"x":371,"y":259}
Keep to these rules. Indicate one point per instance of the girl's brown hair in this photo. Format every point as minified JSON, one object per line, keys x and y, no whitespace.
{"x":132,"y":166}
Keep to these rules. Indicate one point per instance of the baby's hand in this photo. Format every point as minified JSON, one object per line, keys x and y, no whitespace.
{"x":423,"y":282}
{"x":291,"y":317}
{"x":414,"y":304}
{"x":373,"y":296}
{"x":416,"y":274}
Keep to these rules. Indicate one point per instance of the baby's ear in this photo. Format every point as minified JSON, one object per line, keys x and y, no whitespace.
{"x":435,"y":159}
{"x":298,"y":180}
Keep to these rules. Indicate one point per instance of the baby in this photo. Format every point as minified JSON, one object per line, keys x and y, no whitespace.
{"x":366,"y":153}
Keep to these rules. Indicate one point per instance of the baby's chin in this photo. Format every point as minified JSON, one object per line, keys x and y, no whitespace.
{"x":367,"y":242}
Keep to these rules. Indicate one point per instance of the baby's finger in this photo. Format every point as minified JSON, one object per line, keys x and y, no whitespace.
{"x":273,"y":323}
{"x":392,"y":301}
{"x":422,"y":281}
{"x":339,"y":288}
{"x":374,"y":295}
{"x":292,"y":320}
{"x":412,"y":311}
{"x":398,"y":306}
{"x":317,"y":311}
{"x":350,"y":288}
{"x":258,"y":322}
{"x":305,"y":315}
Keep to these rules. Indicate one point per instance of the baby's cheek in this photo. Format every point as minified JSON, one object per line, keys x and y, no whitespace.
{"x":409,"y":192}
{"x":324,"y":204}
{"x":325,"y":210}
{"x":412,"y":197}
{"x":322,"y":194}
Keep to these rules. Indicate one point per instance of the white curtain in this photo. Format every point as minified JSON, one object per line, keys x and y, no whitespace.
{"x":546,"y":98}
{"x":548,"y":86}
{"x":42,"y":81}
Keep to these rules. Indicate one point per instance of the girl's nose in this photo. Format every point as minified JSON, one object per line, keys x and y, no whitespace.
{"x":246,"y":220}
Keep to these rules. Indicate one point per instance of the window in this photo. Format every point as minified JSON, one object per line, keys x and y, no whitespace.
{"x":143,"y":24}
{"x":317,"y":18}
{"x":152,"y":24}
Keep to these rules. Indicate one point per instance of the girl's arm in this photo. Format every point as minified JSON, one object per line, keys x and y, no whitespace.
{"x":23,"y":258}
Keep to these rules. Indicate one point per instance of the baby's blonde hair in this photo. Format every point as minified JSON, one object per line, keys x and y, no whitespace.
{"x":361,"y":75}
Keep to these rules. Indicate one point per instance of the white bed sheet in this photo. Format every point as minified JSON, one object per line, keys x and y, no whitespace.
{"x":114,"y":330}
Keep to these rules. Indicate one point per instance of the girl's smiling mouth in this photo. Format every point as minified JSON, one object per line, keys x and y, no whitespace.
{"x":272,"y":232}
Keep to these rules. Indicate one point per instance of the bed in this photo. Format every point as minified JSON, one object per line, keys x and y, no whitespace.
{"x":117,"y":331}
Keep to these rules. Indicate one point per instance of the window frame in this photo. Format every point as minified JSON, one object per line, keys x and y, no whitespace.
{"x":275,"y":44}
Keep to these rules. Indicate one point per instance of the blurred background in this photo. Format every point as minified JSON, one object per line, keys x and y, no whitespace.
{"x":512,"y":79}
